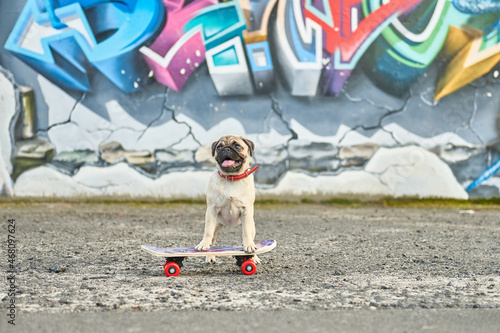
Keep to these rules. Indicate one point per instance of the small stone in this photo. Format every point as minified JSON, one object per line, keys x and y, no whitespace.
{"x":86,"y":286}
{"x":57,"y":269}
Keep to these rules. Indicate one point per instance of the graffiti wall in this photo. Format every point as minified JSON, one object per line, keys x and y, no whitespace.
{"x":359,"y":98}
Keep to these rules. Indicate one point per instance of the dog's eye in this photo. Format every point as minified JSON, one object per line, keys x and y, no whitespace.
{"x":237,"y":146}
{"x":218,"y":148}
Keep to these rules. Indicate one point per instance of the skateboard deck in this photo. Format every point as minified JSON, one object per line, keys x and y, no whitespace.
{"x":175,"y":255}
{"x":262,"y":247}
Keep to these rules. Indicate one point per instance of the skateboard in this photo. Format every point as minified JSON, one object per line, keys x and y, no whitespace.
{"x":175,"y":256}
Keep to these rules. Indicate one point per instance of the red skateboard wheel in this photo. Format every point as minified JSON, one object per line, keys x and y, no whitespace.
{"x":171,"y":269}
{"x":248,"y":267}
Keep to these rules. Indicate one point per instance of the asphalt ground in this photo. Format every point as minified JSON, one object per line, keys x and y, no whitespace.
{"x":79,"y":267}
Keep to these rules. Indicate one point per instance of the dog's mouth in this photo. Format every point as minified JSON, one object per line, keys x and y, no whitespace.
{"x":229,"y":160}
{"x":230,"y":163}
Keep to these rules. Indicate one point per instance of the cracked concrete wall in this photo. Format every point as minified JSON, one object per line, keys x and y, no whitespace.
{"x":362,"y":143}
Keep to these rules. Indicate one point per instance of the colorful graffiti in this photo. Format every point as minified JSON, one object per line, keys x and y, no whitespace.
{"x":63,"y":39}
{"x":315,"y":44}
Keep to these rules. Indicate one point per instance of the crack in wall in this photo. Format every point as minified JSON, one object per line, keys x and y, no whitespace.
{"x":162,"y":112}
{"x":278,"y":110}
{"x":174,"y":118}
{"x":100,"y":187}
{"x":473,"y":115}
{"x":280,"y":167}
{"x":101,"y":135}
{"x":69,"y":121}
{"x":489,"y":157}
{"x":100,"y":130}
{"x":379,"y":125}
{"x":389,"y":182}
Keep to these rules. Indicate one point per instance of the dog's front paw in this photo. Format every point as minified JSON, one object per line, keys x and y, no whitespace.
{"x":249,"y":247}
{"x":203,"y":246}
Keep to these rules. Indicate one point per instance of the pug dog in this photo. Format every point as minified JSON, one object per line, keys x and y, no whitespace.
{"x":230,"y":193}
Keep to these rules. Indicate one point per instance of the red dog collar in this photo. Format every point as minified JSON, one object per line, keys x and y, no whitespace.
{"x":239,"y":177}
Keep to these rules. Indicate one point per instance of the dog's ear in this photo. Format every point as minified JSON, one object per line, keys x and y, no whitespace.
{"x":214,"y":146}
{"x":250,"y":145}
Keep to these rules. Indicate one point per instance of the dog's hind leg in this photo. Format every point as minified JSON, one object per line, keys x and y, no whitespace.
{"x":216,"y":232}
{"x":211,"y":259}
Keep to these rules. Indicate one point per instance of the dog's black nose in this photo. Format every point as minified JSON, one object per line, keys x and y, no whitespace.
{"x":226,"y":150}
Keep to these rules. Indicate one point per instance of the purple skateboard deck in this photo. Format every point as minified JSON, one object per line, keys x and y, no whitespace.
{"x":262,"y":247}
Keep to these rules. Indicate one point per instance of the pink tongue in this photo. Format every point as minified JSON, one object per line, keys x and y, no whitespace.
{"x":228,"y":163}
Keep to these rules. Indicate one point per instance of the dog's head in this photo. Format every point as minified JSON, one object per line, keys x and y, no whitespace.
{"x":232,"y":154}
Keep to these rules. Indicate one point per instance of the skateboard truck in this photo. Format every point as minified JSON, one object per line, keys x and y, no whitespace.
{"x":172,"y":266}
{"x":246,"y":264}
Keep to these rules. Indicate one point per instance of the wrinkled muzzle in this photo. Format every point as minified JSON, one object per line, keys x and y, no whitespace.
{"x":229,"y":160}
